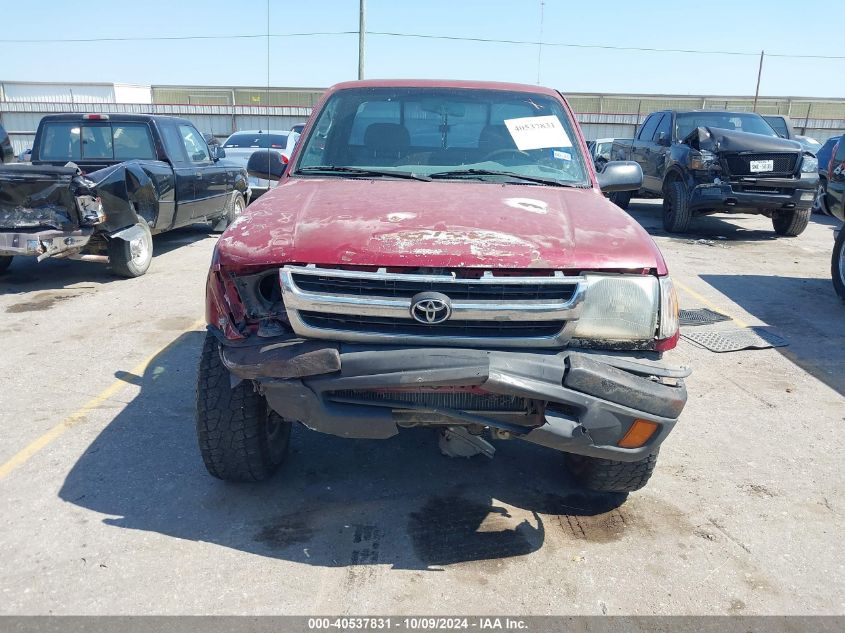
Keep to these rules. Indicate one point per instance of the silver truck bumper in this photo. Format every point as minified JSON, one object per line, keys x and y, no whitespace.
{"x":43,"y":244}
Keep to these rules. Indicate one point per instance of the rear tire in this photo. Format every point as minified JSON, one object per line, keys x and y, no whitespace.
{"x":620,"y":198}
{"x":837,"y":264}
{"x":5,"y":262}
{"x":239,"y":437}
{"x":236,"y":207}
{"x":791,"y":223}
{"x":132,"y":258}
{"x":676,"y":212}
{"x":606,"y":475}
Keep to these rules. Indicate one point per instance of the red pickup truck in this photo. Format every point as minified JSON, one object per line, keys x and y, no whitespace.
{"x":440,"y":254}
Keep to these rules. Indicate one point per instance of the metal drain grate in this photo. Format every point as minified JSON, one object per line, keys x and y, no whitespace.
{"x":702,"y":316}
{"x":735,"y":340}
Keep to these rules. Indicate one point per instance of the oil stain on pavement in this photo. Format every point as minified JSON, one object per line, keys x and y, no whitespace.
{"x":41,"y":301}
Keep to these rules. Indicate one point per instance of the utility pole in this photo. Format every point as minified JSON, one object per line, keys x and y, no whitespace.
{"x":362,"y":34}
{"x":540,"y":44}
{"x":759,"y":73}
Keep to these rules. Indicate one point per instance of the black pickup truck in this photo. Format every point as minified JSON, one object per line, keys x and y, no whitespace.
{"x":704,"y":162}
{"x":101,"y":185}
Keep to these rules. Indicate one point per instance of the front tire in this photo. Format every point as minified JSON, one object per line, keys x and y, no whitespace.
{"x":132,"y":258}
{"x":676,"y":212}
{"x":239,"y":437}
{"x":837,"y":264}
{"x":236,"y":207}
{"x":607,"y":475}
{"x":791,"y":223}
{"x":5,"y":262}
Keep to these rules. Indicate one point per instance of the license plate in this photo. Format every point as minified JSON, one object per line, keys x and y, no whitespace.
{"x":762,"y":165}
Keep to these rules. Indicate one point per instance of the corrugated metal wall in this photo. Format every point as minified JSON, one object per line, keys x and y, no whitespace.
{"x":200,"y":95}
{"x":222,"y":110}
{"x":21,"y":119}
{"x":592,"y":131}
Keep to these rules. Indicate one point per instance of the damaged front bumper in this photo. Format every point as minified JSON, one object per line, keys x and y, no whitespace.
{"x":744,"y":195}
{"x":573,"y":401}
{"x":44,"y":243}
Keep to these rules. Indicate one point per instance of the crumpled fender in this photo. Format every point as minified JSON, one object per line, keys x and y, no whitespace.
{"x":130,"y":233}
{"x":127,"y":192}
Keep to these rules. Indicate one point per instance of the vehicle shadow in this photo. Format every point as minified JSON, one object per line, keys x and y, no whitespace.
{"x":26,"y":274}
{"x":806,"y":311}
{"x":719,"y":227}
{"x":336,"y":502}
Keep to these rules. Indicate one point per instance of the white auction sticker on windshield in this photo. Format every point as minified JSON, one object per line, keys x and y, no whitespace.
{"x":537,"y":132}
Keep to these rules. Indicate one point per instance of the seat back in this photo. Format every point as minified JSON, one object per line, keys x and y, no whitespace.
{"x":495,"y":137}
{"x":386,"y":143}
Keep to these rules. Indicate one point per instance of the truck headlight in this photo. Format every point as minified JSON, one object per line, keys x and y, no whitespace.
{"x":619,"y":308}
{"x":669,"y":318}
{"x":810,"y":165}
{"x":702,"y":160}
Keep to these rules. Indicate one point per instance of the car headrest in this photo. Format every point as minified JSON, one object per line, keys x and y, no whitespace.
{"x":387,"y":137}
{"x":495,"y":137}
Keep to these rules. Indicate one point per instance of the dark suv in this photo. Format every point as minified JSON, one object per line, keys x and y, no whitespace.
{"x":7,"y":154}
{"x":836,"y":204}
{"x":823,"y":156}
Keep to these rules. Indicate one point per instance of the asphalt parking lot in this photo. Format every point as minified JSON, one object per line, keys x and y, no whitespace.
{"x":108,"y":508}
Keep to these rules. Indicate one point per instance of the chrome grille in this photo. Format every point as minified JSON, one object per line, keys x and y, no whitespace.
{"x":740,"y":164}
{"x":386,"y":286}
{"x":501,"y":311}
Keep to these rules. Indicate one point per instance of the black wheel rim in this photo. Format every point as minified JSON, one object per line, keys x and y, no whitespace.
{"x":818,"y":203}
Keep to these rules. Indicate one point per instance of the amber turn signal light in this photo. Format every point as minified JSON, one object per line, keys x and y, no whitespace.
{"x":639,"y":433}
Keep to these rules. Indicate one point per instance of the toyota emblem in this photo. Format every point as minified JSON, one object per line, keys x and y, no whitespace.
{"x":431,"y":308}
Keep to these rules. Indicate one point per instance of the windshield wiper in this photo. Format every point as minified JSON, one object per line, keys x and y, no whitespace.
{"x":361,"y":171}
{"x":506,"y":174}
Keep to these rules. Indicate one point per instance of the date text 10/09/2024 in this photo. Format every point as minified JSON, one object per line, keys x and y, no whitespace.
{"x":418,"y":623}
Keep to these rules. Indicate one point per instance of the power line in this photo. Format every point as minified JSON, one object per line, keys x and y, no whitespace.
{"x":599,"y":46}
{"x":563,"y":44}
{"x":427,"y":36}
{"x":165,"y":38}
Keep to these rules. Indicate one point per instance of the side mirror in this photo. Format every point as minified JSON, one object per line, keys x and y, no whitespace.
{"x":217,"y":152}
{"x":266,"y":164}
{"x":663,"y":139}
{"x":620,"y":175}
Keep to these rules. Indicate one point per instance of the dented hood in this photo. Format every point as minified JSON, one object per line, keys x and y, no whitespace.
{"x":436,"y":224}
{"x":716,"y":139}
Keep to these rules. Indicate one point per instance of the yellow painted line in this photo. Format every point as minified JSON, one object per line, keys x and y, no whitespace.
{"x":708,"y":303}
{"x":22,"y":456}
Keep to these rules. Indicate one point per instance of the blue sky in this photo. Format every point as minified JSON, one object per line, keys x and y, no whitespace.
{"x":746,"y":26}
